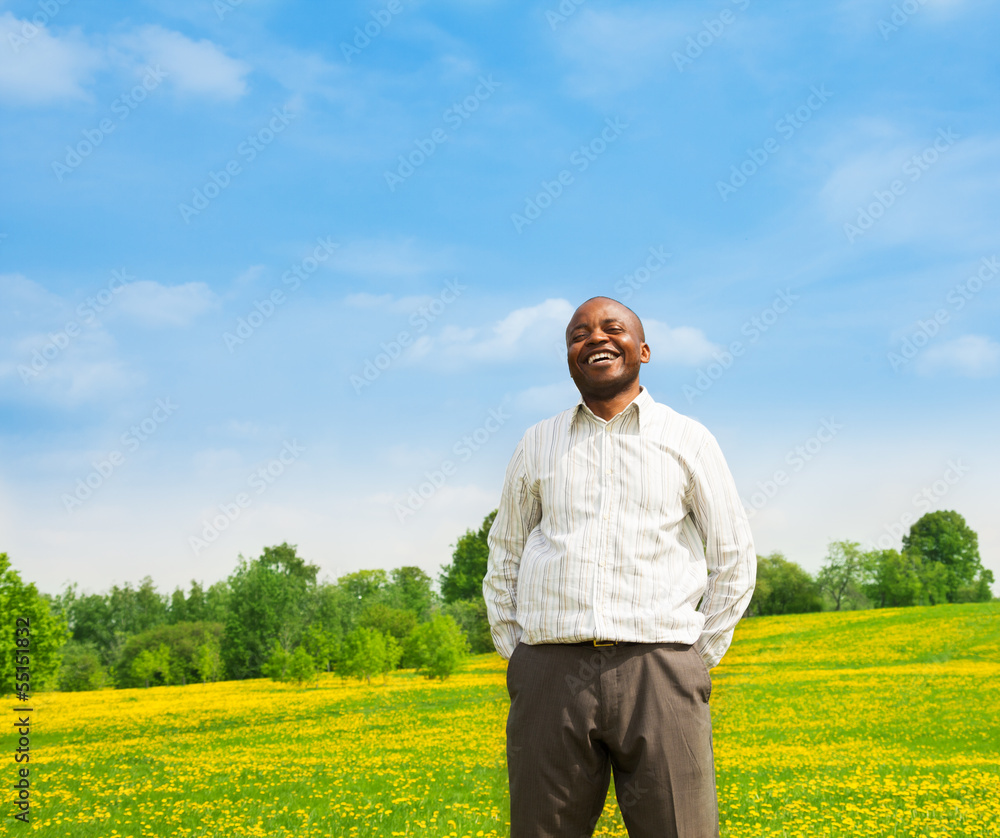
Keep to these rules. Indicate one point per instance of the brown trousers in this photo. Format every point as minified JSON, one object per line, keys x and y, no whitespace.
{"x":579,"y":712}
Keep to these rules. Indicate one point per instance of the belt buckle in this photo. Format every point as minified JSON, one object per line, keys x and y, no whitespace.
{"x":605,"y":642}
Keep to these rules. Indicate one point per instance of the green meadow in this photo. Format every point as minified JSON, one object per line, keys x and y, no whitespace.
{"x":866,"y":723}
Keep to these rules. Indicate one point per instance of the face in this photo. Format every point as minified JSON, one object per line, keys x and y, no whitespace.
{"x":605,"y":348}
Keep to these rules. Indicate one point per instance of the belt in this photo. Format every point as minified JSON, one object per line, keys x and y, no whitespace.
{"x":670,"y":645}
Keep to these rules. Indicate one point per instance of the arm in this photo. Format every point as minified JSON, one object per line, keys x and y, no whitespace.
{"x":517,"y":515}
{"x":729,"y":552}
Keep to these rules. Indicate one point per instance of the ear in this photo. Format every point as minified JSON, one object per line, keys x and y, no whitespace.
{"x":644,"y":353}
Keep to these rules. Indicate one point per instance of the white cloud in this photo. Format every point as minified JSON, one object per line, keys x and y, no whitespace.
{"x":55,"y":352}
{"x":67,"y":369}
{"x":197,"y":67}
{"x":683,"y":345}
{"x":387,"y":302}
{"x":616,"y":50}
{"x":945,"y":185}
{"x":400,"y":259}
{"x":36,"y":67}
{"x":161,"y":305}
{"x":524,"y":333}
{"x":538,"y":332}
{"x":971,"y":356}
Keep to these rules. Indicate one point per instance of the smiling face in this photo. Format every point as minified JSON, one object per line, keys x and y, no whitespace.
{"x":605,"y":347}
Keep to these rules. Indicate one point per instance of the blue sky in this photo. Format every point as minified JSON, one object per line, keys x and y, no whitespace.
{"x":267,"y":276}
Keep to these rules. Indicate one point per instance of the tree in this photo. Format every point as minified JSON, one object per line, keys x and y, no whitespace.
{"x":150,"y":663}
{"x":276,"y":665}
{"x":322,"y":646}
{"x":268,"y":601}
{"x":944,"y":538}
{"x":134,"y":610}
{"x":840,"y":578}
{"x":410,"y":589}
{"x":463,"y":577}
{"x":81,"y":668}
{"x":177,"y":613}
{"x":44,"y":632}
{"x":470,"y":614}
{"x":208,"y":660}
{"x":392,"y":621}
{"x":892,"y":579}
{"x":783,"y":587}
{"x":437,"y":646}
{"x":356,"y":591}
{"x":184,"y":643}
{"x":89,"y":621}
{"x":368,"y":652}
{"x":301,"y":666}
{"x":216,"y":603}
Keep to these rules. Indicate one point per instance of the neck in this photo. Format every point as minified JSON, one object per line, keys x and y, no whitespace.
{"x":608,"y":408}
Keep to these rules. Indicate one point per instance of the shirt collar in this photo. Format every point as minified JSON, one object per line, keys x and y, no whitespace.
{"x":641,"y":404}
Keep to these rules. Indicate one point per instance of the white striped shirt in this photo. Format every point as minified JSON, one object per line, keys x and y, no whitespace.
{"x":615,"y":530}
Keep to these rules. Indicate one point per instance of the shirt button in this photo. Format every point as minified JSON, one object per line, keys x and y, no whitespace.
{"x":608,"y":471}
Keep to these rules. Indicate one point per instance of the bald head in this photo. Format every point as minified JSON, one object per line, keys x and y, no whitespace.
{"x":635,"y":324}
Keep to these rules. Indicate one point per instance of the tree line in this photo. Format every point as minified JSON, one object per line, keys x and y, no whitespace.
{"x":939,"y":562}
{"x":273,"y":617}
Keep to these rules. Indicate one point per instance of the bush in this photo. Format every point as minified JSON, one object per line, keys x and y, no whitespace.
{"x":81,"y":668}
{"x":368,"y":652}
{"x":437,"y":647}
{"x":185,"y":644}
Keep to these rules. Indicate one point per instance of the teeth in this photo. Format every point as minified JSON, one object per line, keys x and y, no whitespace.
{"x":600,"y":356}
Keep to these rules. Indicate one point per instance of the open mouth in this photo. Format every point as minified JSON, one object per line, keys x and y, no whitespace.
{"x":601,"y":359}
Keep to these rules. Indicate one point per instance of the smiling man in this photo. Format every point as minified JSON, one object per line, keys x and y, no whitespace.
{"x":620,"y":561}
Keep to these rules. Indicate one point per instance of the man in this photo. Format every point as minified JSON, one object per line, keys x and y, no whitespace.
{"x":616,"y":519}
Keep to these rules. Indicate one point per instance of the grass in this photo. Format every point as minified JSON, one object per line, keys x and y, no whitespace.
{"x":881,"y":723}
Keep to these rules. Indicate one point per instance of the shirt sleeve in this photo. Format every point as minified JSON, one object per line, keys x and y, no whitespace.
{"x":517,"y":515}
{"x":729,"y":552}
